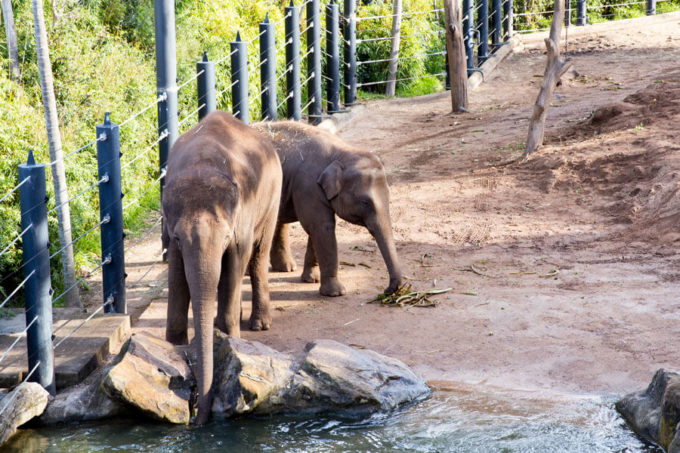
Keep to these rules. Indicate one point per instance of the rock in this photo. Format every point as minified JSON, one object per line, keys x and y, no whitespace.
{"x":334,"y":376}
{"x":248,"y":377}
{"x":20,"y":405}
{"x":85,"y":402}
{"x":654,"y":413}
{"x":153,"y":377}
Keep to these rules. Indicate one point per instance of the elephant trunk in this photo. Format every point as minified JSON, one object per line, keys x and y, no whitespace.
{"x":203,"y":287}
{"x":382,"y":232}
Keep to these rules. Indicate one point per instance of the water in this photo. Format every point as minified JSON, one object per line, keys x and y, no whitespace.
{"x":451,"y":421}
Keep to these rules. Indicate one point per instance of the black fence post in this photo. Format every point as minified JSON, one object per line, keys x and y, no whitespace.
{"x":314,"y":61}
{"x":468,"y":18}
{"x":293,"y":91}
{"x":497,"y":32}
{"x":268,"y":70}
{"x":567,"y":13}
{"x":350,"y":29}
{"x":507,"y":19}
{"x":111,"y":215}
{"x":581,"y":18}
{"x":36,"y":251}
{"x":239,"y":79}
{"x":207,"y":89}
{"x":483,"y":15}
{"x":651,"y":7}
{"x":333,"y":58}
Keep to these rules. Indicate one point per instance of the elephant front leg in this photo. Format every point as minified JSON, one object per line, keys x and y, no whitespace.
{"x":229,"y":291}
{"x":178,"y":298}
{"x":310,"y":273}
{"x":326,"y":248}
{"x":260,"y":317}
{"x":280,"y":256}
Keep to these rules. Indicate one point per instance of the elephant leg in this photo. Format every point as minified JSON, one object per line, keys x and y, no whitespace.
{"x":310,"y":273}
{"x":178,"y":298}
{"x":260,"y":317}
{"x":234,"y":263}
{"x":326,"y":248}
{"x":280,"y":256}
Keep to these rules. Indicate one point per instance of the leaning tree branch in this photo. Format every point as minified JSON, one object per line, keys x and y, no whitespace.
{"x":456,"y":52}
{"x":554,"y":70}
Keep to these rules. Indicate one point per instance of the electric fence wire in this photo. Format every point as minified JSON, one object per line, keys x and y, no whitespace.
{"x":16,"y":390}
{"x":105,"y":178}
{"x":146,"y":234}
{"x":311,"y":101}
{"x":158,"y":260}
{"x":26,"y":179}
{"x":225,"y":57}
{"x":87,"y":145}
{"x":16,"y":239}
{"x":151,"y":186}
{"x":190,"y":115}
{"x":408,"y":13}
{"x":106,"y":219}
{"x":160,"y":98}
{"x":191,"y":79}
{"x":109,"y":301}
{"x":107,"y":260}
{"x":7,"y":299}
{"x":409,"y":57}
{"x":149,"y":147}
{"x":19,"y":337}
{"x":443,"y":74}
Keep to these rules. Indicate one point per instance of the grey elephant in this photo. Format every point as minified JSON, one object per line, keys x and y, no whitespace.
{"x":324,"y":176}
{"x":220,"y":204}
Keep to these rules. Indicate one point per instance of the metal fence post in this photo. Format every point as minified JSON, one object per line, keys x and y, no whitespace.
{"x":207,"y":91}
{"x":314,"y":61}
{"x":651,"y":7}
{"x":239,"y":79}
{"x":507,"y":19}
{"x":567,"y":13}
{"x":36,"y":258}
{"x":333,"y":58}
{"x":111,"y":214}
{"x":581,"y":18}
{"x":483,"y":50}
{"x":496,"y":34}
{"x":468,"y":15}
{"x":350,"y":28}
{"x":268,"y":69}
{"x":293,"y":91}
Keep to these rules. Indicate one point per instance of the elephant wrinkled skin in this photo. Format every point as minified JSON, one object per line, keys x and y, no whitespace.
{"x":220,"y":206}
{"x":324,"y":176}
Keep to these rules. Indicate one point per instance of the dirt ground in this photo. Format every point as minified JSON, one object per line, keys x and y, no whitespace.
{"x":575,"y":251}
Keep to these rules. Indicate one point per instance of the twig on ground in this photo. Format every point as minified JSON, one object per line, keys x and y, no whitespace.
{"x":403,"y":296}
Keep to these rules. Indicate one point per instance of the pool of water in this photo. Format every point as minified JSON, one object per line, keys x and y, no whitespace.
{"x":451,"y":421}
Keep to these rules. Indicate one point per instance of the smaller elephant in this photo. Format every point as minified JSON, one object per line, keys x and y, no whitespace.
{"x":220,"y":205}
{"x":324,"y":176}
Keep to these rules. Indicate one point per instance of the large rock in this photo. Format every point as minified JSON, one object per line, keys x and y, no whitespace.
{"x":20,"y":405}
{"x":249,"y":377}
{"x":153,"y":377}
{"x":253,"y":378}
{"x":84,"y":402}
{"x":333,"y":376}
{"x":654,"y":413}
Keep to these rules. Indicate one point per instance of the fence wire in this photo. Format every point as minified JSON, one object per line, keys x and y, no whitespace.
{"x":19,"y":337}
{"x":99,"y":266}
{"x":109,"y":301}
{"x":26,"y":179}
{"x":16,"y":290}
{"x":16,"y":239}
{"x":16,"y":390}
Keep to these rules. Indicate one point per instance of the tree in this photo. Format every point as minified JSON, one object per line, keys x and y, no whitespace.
{"x":554,"y":69}
{"x":394,"y":50}
{"x":456,"y":55}
{"x":56,"y":153}
{"x":8,"y":14}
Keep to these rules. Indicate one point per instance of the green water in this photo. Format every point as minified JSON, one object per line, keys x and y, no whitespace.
{"x":451,"y":421}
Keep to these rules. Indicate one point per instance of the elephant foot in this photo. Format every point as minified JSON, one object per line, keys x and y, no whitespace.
{"x":177,"y":338}
{"x":260,"y":322}
{"x":203,"y":409}
{"x":311,"y":275}
{"x":283,"y":263}
{"x":332,"y":287}
{"x":393,"y":286}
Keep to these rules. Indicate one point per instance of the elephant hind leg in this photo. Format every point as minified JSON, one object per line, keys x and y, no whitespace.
{"x":280,"y":256}
{"x":178,"y":298}
{"x":310,"y":273}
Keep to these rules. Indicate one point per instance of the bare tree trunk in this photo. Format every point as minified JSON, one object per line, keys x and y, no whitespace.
{"x":554,"y":69}
{"x":56,"y":154}
{"x":456,"y":52}
{"x":8,"y":14}
{"x":394,"y":51}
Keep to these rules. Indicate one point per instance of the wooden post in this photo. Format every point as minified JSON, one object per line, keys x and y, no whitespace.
{"x":394,"y":50}
{"x":456,"y":55}
{"x":554,"y":69}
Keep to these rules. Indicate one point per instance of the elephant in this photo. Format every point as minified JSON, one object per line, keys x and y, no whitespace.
{"x":220,"y":204}
{"x":324,"y":176}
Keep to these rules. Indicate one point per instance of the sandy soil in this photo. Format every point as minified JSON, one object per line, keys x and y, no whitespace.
{"x":576,"y":249}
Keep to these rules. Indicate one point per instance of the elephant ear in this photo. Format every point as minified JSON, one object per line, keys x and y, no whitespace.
{"x":330,"y":179}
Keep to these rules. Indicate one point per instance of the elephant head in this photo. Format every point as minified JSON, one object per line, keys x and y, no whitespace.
{"x":356,"y":187}
{"x":200,"y":210}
